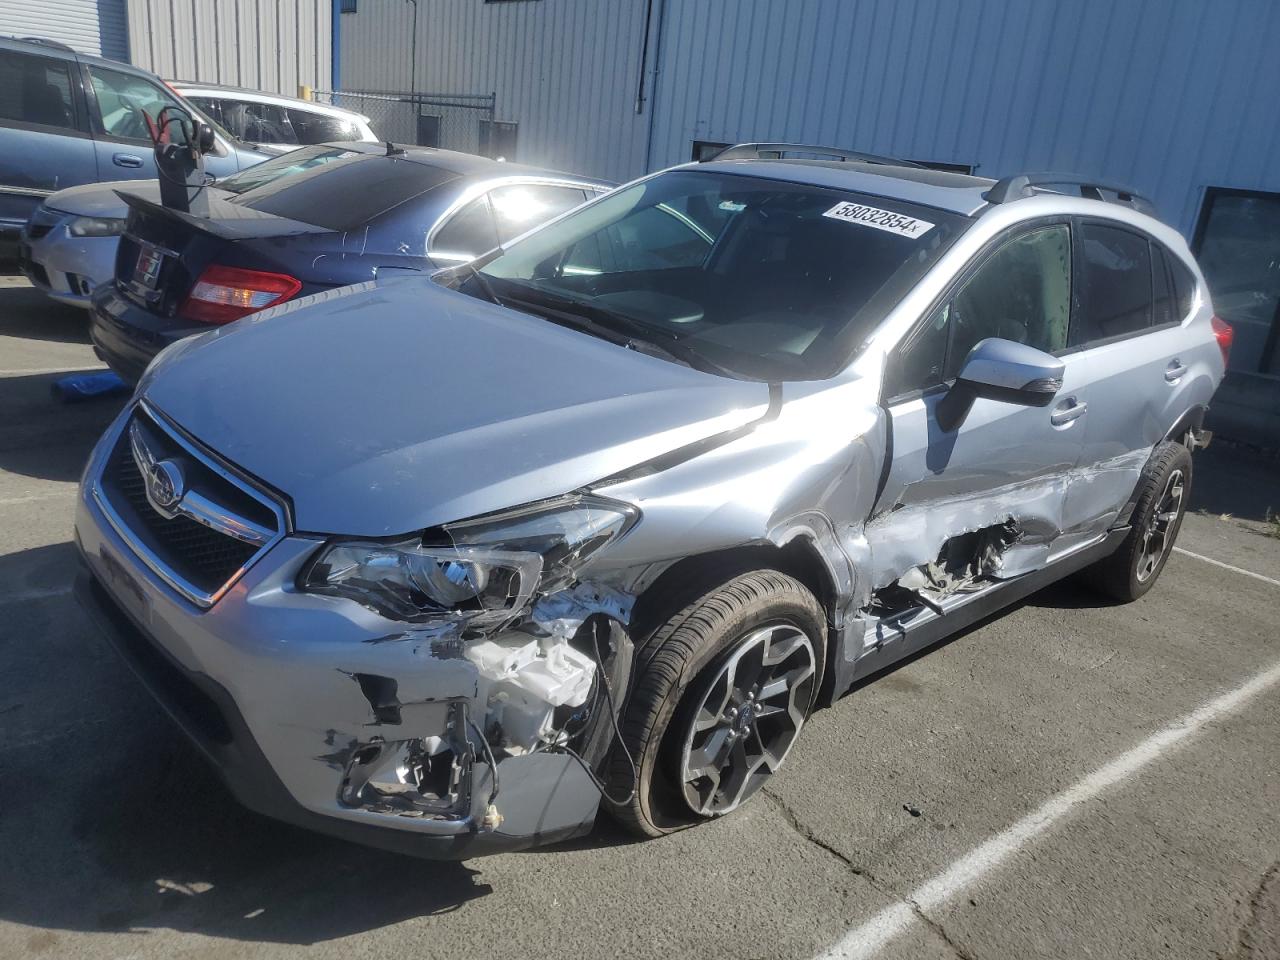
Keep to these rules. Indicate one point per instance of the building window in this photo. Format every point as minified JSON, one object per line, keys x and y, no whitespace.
{"x":498,"y":138}
{"x":706,"y":149}
{"x":347,"y":6}
{"x":1237,"y":242}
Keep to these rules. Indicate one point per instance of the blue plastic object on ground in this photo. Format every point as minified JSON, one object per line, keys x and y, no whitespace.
{"x":89,"y":386}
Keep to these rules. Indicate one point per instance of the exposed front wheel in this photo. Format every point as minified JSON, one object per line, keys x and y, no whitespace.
{"x":723,"y":689}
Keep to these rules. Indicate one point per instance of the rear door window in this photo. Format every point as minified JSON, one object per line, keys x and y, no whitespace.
{"x":259,"y":122}
{"x":36,"y":90}
{"x":1114,"y":283}
{"x":311,"y":127}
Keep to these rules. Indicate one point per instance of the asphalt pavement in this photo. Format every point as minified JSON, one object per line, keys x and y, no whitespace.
{"x":1069,"y":779}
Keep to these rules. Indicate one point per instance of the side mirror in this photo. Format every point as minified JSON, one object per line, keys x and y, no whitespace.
{"x":204,"y":137}
{"x":1001,"y":370}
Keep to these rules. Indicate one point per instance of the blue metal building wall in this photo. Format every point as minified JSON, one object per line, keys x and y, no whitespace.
{"x":1167,"y":95}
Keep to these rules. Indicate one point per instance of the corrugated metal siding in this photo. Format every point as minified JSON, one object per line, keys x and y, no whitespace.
{"x":271,"y":45}
{"x":566,"y":70}
{"x":1168,"y":95}
{"x":95,"y":27}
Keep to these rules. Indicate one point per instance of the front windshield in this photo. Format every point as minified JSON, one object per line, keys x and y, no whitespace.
{"x":763,"y":279}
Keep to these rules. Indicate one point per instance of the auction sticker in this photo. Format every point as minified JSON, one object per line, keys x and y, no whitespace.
{"x":898,"y":223}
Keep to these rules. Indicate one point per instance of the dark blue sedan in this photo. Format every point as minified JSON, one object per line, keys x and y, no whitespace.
{"x":317,"y":218}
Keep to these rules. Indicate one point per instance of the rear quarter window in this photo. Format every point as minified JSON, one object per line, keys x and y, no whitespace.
{"x":1184,"y":287}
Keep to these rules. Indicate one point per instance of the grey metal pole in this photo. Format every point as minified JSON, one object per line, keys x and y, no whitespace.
{"x":413,"y":53}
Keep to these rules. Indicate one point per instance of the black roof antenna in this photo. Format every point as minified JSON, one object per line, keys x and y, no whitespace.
{"x":393,"y":150}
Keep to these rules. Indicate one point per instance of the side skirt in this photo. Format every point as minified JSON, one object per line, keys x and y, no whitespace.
{"x":909,"y":633}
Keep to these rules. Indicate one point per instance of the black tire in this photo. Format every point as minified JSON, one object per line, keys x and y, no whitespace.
{"x":675,"y":668}
{"x":1134,"y":568}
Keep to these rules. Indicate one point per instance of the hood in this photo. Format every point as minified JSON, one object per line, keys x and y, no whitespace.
{"x":101,"y":199}
{"x":400,"y":405}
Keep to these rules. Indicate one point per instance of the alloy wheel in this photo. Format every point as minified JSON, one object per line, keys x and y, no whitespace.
{"x":1157,"y":537}
{"x":749,"y":718}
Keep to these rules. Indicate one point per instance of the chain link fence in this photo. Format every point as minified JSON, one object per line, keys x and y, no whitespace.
{"x":452,"y":121}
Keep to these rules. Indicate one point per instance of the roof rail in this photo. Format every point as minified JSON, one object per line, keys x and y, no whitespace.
{"x":45,"y":42}
{"x":1023,"y":185}
{"x":777,"y":151}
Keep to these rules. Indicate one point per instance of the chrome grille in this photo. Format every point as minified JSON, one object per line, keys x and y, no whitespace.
{"x":195,"y":523}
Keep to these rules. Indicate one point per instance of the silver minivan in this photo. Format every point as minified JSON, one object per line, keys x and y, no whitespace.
{"x":599,"y":518}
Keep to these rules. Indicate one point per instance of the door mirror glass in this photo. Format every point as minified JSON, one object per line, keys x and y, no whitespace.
{"x":1005,"y":371}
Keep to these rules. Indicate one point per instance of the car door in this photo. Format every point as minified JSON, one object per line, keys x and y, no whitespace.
{"x":120,"y":104}
{"x":1134,"y":357}
{"x":44,"y":133}
{"x":1004,"y":462}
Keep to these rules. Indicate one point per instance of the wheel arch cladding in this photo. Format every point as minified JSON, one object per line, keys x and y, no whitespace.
{"x":691,"y":577}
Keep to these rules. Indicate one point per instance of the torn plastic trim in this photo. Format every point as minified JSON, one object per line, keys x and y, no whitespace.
{"x":537,"y":687}
{"x":965,"y":563}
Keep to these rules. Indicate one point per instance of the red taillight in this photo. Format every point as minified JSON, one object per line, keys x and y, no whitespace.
{"x":223,"y":294}
{"x":1224,"y":334}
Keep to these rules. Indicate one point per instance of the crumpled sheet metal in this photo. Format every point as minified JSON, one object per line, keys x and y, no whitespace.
{"x":914,"y":535}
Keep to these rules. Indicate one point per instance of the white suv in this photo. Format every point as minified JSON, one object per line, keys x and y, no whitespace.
{"x":276,"y":122}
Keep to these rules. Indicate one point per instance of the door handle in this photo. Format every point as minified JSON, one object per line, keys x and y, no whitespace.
{"x":126,"y":160}
{"x":1067,"y":412}
{"x":1173,"y":373}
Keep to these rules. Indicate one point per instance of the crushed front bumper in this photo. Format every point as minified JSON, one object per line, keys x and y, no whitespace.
{"x":271,"y":686}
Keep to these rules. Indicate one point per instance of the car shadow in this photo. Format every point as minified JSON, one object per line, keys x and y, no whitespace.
{"x":28,"y":313}
{"x":1235,"y":481}
{"x":1069,"y":593}
{"x":114,"y":822}
{"x":44,"y":437}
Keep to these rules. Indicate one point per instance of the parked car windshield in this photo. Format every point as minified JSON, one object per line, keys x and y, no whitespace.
{"x":761,"y":278}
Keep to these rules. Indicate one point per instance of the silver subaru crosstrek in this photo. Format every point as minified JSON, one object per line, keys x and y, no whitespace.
{"x":446,"y":564}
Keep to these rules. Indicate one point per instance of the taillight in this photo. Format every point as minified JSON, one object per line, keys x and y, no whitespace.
{"x":223,"y":294}
{"x":1224,"y":334}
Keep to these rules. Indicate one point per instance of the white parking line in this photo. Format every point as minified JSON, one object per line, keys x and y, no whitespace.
{"x":868,"y":939}
{"x":36,"y":497}
{"x":26,"y":596}
{"x":41,"y":371}
{"x":1227,"y":566}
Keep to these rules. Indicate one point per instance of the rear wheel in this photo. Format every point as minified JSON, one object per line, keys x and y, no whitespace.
{"x":1162,"y":502}
{"x":724,"y":688}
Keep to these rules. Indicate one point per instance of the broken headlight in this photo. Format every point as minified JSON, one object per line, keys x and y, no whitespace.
{"x":486,"y":570}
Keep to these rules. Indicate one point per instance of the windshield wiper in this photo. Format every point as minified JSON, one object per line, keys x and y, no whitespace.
{"x":483,"y":283}
{"x":613,"y":326}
